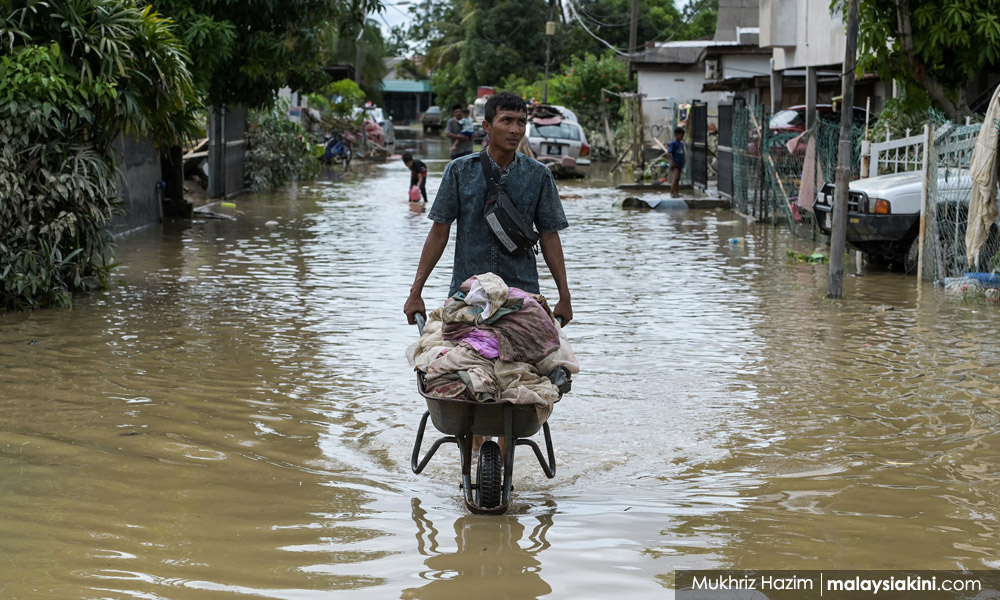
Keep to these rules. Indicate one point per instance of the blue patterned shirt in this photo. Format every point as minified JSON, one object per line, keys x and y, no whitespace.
{"x":462,"y":196}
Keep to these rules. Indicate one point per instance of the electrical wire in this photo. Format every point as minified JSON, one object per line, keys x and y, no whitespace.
{"x":595,"y":36}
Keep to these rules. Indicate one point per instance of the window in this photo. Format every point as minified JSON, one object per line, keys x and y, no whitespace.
{"x":564,"y":130}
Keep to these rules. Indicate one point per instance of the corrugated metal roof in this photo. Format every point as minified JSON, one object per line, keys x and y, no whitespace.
{"x":733,"y":14}
{"x":406,"y":86}
{"x":674,"y":53}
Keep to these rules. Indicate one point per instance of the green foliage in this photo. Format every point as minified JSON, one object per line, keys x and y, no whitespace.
{"x":278,"y":151}
{"x":246,"y":50}
{"x":952,"y":41}
{"x":502,"y":39}
{"x":659,"y":20}
{"x":902,"y":115}
{"x":73,"y":76}
{"x":579,"y":88}
{"x":450,"y":87}
{"x":338,"y":98}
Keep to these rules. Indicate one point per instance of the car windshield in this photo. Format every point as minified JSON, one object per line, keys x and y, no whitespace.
{"x":788,"y":118}
{"x":564,"y":130}
{"x":433,"y":109}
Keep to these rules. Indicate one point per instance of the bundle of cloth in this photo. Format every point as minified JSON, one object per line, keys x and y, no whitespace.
{"x":490,"y":342}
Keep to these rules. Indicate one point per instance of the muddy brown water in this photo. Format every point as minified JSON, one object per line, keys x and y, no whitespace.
{"x":235,"y":417}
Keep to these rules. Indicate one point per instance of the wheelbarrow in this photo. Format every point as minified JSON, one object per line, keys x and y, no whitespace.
{"x":460,"y":420}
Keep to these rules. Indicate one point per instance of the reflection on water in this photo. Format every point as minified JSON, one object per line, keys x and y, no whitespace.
{"x":488,"y":555}
{"x":235,"y":418}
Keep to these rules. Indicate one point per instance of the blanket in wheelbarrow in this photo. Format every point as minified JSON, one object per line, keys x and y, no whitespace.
{"x":493,"y":343}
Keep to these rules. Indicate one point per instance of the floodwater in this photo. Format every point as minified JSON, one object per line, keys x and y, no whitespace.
{"x":234,"y":419}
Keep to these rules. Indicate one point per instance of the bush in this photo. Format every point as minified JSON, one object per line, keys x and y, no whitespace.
{"x":278,"y":151}
{"x":73,"y":75}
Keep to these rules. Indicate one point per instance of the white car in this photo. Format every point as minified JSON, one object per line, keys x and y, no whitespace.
{"x":883,"y":213}
{"x":562,"y":146}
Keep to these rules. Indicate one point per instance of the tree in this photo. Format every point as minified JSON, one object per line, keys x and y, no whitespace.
{"x":579,"y":87}
{"x":934,"y":47}
{"x":502,"y":39}
{"x":243,"y":51}
{"x":73,"y":76}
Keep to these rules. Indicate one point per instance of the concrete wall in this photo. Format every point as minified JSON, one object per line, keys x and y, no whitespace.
{"x":139,"y":163}
{"x":820,"y":39}
{"x":664,"y":90}
{"x":741,"y":66}
{"x":778,"y":20}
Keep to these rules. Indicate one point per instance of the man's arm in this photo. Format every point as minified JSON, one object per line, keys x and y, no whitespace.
{"x":454,"y":132}
{"x":434,"y":245}
{"x":553,"y":253}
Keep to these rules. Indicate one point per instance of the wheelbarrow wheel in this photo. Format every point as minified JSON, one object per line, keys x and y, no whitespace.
{"x":489,"y":475}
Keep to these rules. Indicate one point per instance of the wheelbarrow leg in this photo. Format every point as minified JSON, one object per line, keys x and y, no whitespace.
{"x":509,"y":443}
{"x":465,"y":451}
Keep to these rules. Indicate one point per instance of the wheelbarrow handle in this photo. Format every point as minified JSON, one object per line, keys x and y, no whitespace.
{"x":420,"y":319}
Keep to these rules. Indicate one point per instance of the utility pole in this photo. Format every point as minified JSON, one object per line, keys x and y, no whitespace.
{"x":550,"y":30}
{"x":838,"y":235}
{"x":633,"y":33}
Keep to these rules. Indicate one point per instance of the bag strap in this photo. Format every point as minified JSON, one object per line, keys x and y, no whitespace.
{"x":491,"y":184}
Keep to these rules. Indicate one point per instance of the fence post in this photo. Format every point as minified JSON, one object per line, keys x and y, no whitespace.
{"x":925,"y":192}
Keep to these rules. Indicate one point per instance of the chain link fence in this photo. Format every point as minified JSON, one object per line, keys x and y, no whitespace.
{"x":768,"y":166}
{"x":949,"y":191}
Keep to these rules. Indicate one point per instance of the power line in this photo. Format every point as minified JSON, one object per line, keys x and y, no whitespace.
{"x":576,"y":15}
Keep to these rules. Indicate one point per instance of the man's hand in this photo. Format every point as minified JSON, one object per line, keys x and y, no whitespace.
{"x":563,"y":309}
{"x":414,"y":304}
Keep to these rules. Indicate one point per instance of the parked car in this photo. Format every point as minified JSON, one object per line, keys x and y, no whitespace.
{"x":431,"y":120}
{"x":561,"y":146}
{"x":883,"y":213}
{"x":793,"y":119}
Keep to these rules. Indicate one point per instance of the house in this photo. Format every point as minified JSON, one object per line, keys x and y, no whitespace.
{"x":808,"y":43}
{"x":673,"y":74}
{"x":406,"y":99}
{"x":735,"y":63}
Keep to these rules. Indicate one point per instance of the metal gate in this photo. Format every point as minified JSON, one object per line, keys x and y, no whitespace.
{"x":227,"y":151}
{"x":699,"y":145}
{"x":725,"y":152}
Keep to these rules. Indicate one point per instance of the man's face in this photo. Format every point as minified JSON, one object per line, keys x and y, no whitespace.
{"x":408,"y":163}
{"x":507,"y":129}
{"x":457,"y":113}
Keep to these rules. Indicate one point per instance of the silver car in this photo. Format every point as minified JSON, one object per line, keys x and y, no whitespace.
{"x":562,"y":146}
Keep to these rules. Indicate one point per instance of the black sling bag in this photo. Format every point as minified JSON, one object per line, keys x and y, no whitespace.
{"x":502,"y":218}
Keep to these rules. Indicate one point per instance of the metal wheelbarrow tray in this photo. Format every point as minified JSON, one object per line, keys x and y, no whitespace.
{"x":460,"y":420}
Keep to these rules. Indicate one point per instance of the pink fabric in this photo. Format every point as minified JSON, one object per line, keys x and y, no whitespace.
{"x":484,"y":341}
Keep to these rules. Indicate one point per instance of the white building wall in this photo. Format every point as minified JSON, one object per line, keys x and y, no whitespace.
{"x":820,"y":38}
{"x":666,"y":89}
{"x":739,"y":66}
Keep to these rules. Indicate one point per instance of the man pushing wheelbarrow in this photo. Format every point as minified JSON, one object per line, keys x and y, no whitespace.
{"x":498,"y":198}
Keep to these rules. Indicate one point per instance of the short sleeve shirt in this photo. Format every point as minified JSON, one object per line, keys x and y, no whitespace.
{"x":676,"y":150}
{"x":455,"y":127}
{"x":462,"y":197}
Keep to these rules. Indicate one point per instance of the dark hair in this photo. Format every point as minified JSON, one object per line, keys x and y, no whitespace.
{"x":679,"y":130}
{"x":456,"y":107}
{"x":504,"y":101}
{"x":407,"y":157}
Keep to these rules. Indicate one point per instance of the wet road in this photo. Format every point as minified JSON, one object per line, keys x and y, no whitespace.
{"x":235,"y":418}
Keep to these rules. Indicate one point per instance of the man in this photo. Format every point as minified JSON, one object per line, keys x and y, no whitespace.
{"x":418,"y":174}
{"x":462,"y":197}
{"x":676,"y":151}
{"x":453,"y":129}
